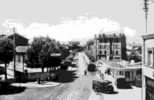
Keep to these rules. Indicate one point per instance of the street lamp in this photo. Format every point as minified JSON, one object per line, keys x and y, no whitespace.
{"x":96,"y":45}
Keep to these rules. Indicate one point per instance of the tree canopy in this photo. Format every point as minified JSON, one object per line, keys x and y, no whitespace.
{"x":39,"y":53}
{"x":6,"y":52}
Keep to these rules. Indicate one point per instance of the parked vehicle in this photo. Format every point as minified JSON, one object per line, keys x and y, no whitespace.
{"x":104,"y":87}
{"x":122,"y":83}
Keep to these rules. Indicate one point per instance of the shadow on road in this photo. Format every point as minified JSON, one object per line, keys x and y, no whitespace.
{"x":126,"y":86}
{"x":64,"y":76}
{"x":113,"y":92}
{"x":6,"y":89}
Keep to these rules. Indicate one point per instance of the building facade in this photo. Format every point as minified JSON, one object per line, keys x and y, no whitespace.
{"x":110,"y":46}
{"x":148,"y":67}
{"x":124,"y":69}
{"x":21,"y":46}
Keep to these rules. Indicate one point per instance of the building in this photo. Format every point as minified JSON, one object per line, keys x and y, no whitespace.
{"x":21,"y":46}
{"x":134,"y":53}
{"x":148,"y":67}
{"x":110,"y":46}
{"x":123,"y":69}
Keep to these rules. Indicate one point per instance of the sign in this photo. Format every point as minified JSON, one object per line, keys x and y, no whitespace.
{"x":55,"y":54}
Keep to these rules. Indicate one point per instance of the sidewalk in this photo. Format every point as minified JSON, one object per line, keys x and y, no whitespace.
{"x":94,"y":96}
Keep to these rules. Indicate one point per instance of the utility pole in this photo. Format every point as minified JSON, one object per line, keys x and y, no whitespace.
{"x":146,"y":9}
{"x":96,"y":45}
{"x":14,"y":52}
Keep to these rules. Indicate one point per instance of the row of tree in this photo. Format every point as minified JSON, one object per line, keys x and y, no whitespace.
{"x":39,"y":54}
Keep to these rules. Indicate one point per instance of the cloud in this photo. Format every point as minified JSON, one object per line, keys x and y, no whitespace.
{"x":128,"y":31}
{"x":79,"y":28}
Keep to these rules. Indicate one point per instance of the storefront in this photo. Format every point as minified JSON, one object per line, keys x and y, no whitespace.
{"x":149,"y":88}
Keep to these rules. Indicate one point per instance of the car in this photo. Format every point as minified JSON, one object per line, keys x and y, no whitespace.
{"x":122,"y":83}
{"x":108,"y":89}
{"x":105,"y":86}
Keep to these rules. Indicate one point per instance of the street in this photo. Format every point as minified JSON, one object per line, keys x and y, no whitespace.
{"x":131,"y":94}
{"x":73,"y":86}
{"x":79,"y":89}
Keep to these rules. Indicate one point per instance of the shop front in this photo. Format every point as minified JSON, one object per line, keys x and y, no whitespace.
{"x":149,"y":88}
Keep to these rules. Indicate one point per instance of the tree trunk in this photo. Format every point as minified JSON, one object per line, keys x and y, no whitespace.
{"x":47,"y":69}
{"x":5,"y":71}
{"x":42,"y":69}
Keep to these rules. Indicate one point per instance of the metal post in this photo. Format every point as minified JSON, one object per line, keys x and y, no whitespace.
{"x":23,"y":59}
{"x":143,"y":77}
{"x":14,"y":53}
{"x":96,"y":45}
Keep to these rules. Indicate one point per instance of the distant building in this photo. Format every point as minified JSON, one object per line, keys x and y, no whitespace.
{"x":134,"y":51}
{"x":110,"y":46}
{"x":148,"y":67}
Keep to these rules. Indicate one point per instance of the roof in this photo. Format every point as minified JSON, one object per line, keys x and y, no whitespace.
{"x":19,"y":39}
{"x":124,"y":65}
{"x":21,"y":49}
{"x":16,"y":34}
{"x":148,"y":36}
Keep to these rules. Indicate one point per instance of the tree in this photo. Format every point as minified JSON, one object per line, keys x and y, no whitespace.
{"x":64,"y":50}
{"x":91,"y":50}
{"x":39,"y":53}
{"x":33,"y":53}
{"x":6,"y":52}
{"x":50,"y":47}
{"x":134,"y":55}
{"x":74,"y":45}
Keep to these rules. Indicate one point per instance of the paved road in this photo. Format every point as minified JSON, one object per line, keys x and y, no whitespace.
{"x":80,"y":89}
{"x":76,"y":90}
{"x":125,"y":94}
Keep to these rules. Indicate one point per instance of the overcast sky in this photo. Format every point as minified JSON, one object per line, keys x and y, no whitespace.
{"x":74,"y":19}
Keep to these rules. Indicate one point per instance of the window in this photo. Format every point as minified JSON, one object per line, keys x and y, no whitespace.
{"x":117,"y":52}
{"x":105,"y":52}
{"x":120,"y":73}
{"x":100,"y":46}
{"x":100,"y":52}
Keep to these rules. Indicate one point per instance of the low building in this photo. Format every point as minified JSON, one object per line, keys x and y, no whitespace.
{"x":21,"y":46}
{"x":131,"y":72}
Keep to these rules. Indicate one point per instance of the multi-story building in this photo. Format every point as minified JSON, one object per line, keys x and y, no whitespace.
{"x":148,"y":67}
{"x":110,"y":46}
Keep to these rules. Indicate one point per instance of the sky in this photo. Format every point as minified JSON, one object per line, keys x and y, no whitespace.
{"x":66,"y":20}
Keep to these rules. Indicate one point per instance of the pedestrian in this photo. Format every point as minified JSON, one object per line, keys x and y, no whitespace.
{"x":85,"y":72}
